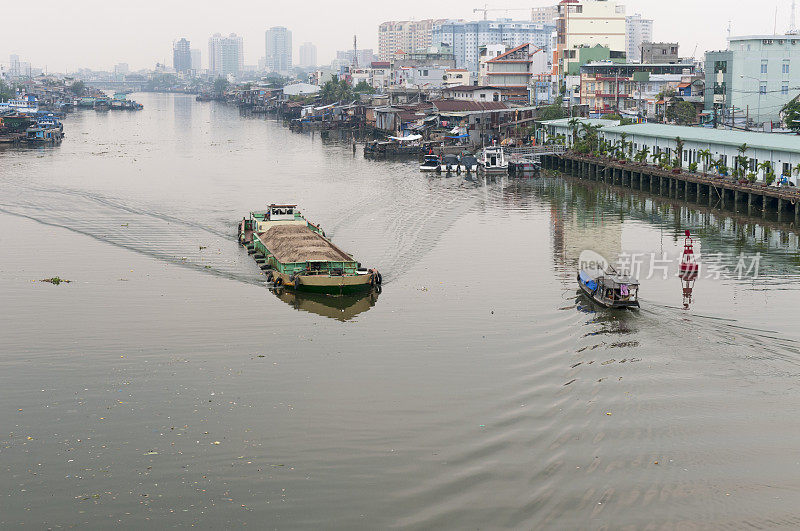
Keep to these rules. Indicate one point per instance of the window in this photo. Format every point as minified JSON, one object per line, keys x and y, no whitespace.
{"x":764,"y":64}
{"x":785,"y":89}
{"x":762,"y":89}
{"x":785,"y":66}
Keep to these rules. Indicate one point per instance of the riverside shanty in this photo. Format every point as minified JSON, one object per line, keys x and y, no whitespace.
{"x":469,"y":115}
{"x":296,"y":254}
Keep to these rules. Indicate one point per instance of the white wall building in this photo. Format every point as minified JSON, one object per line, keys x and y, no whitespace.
{"x":589,"y":23}
{"x":637,"y":31}
{"x":225,"y":54}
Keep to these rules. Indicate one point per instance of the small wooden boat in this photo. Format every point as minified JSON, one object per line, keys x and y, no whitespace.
{"x":296,"y":254}
{"x":430,"y":163}
{"x":608,"y":288}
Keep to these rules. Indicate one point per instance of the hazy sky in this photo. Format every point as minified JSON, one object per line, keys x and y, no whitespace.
{"x":99,"y":33}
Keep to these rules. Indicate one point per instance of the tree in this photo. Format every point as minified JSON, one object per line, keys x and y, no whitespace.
{"x":574,"y":125}
{"x":552,"y":112}
{"x":705,"y":156}
{"x":78,"y":88}
{"x":678,"y":152}
{"x":6,"y":91}
{"x":642,"y":155}
{"x":221,"y":85}
{"x":791,"y":115}
{"x":364,"y":88}
{"x":683,"y":113}
{"x":741,"y":161}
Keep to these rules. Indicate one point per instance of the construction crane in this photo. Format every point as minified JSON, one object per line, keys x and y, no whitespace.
{"x":486,"y":10}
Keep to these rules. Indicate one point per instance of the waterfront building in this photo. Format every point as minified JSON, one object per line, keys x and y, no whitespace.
{"x":308,"y":54}
{"x":659,"y":52}
{"x":225,"y":55}
{"x":421,"y":78}
{"x":753,"y":79}
{"x":181,"y":56}
{"x":589,"y":23}
{"x":516,"y":70}
{"x":467,"y":38}
{"x":545,"y":15}
{"x":278,"y":50}
{"x":638,"y":30}
{"x":783,"y":151}
{"x":477,"y":93}
{"x":607,"y":87}
{"x":485,"y":54}
{"x":196,"y":59}
{"x":409,"y":36}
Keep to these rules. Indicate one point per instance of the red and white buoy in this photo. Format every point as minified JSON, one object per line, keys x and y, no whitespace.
{"x":689,"y":270}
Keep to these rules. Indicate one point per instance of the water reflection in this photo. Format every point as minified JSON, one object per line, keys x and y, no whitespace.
{"x":341,"y":308}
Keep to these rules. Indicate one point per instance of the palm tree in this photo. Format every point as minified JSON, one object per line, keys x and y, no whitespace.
{"x":705,"y":156}
{"x":656,"y":157}
{"x":574,"y":124}
{"x":643,"y":153}
{"x":678,"y":152}
{"x":769,"y":175}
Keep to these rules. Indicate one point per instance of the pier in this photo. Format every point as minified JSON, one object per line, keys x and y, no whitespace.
{"x":704,"y":189}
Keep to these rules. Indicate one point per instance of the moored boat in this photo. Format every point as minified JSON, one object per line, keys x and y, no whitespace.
{"x":449,"y":164}
{"x":493,"y":161}
{"x":609,"y":288}
{"x":468,"y":164}
{"x":296,"y":254}
{"x":430,"y":163}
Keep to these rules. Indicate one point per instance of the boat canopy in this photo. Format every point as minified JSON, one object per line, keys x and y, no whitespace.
{"x":588,"y":281}
{"x":450,"y":159}
{"x":409,"y":138}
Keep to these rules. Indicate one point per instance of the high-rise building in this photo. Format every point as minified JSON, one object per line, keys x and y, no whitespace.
{"x":279,"y":50}
{"x":545,"y":15}
{"x":467,"y":38}
{"x":638,"y":30}
{"x":308,"y":54}
{"x":181,"y":56}
{"x":225,"y":54}
{"x":409,"y":36}
{"x":13,"y":65}
{"x":121,"y":69}
{"x":197,"y":59}
{"x":589,"y":23}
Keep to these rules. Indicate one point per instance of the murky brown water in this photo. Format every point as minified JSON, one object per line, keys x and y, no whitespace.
{"x":166,"y":386}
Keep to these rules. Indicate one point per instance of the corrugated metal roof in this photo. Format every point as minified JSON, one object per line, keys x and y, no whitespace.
{"x":464,"y":105}
{"x":564,"y":122}
{"x":772,"y":141}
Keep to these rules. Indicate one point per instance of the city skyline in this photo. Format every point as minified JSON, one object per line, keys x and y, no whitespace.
{"x":78,"y":35}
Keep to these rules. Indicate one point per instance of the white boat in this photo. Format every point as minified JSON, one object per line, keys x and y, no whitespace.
{"x":469,"y":164}
{"x":24,"y":106}
{"x":431,"y":163}
{"x":493,"y":160}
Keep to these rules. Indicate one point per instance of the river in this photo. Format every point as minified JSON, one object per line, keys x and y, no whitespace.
{"x":165,"y":385}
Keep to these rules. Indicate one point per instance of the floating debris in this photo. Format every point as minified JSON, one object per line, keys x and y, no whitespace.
{"x":55,"y":280}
